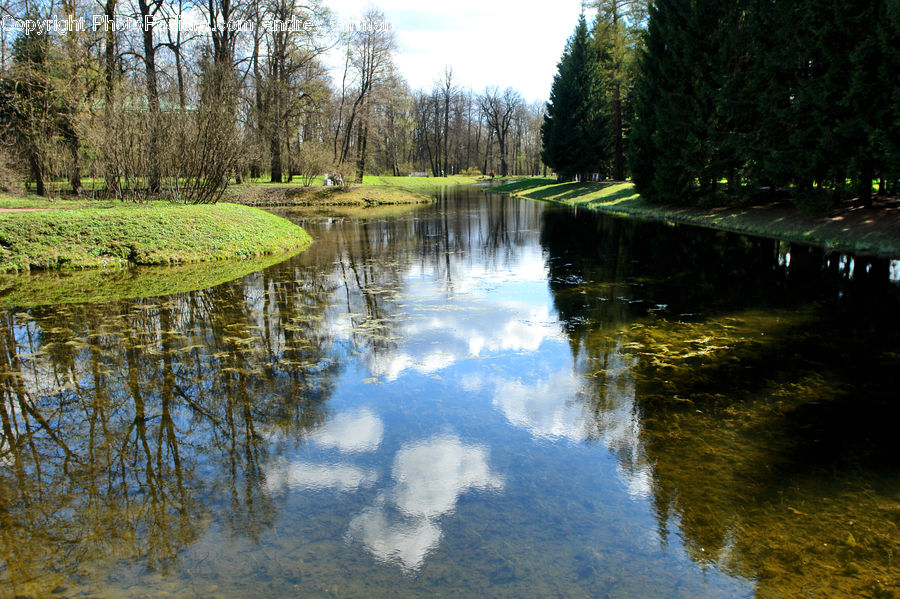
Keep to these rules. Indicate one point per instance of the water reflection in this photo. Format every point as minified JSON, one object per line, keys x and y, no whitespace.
{"x":762,"y":436}
{"x":352,"y":431}
{"x":428,"y":479}
{"x":127,"y":426}
{"x":317,"y":477}
{"x":536,"y":406}
{"x":484,"y":396}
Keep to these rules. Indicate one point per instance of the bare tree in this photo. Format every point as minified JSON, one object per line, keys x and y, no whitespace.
{"x":448,"y":92}
{"x":148,"y":12}
{"x":372,"y":47}
{"x":499,"y":110}
{"x":291,"y":77}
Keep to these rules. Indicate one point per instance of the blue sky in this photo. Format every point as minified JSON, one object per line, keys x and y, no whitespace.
{"x":504,"y":43}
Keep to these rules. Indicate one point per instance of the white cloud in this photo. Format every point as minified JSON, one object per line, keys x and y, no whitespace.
{"x":354,"y":431}
{"x":305,"y":476}
{"x":505,"y":43}
{"x":401,"y":540}
{"x":552,"y":409}
{"x":547,"y":409}
{"x":390,"y":366}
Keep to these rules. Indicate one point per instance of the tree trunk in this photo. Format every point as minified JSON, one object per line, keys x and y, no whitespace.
{"x":153,"y":175}
{"x":618,"y":144}
{"x":446,"y":135}
{"x":275,"y":149}
{"x":75,"y":176}
{"x":110,"y":50}
{"x":865,"y":184}
{"x":179,"y":71}
{"x":38,"y":175}
{"x":361,"y":142}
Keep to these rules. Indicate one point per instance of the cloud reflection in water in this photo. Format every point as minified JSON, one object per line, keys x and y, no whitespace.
{"x":351,"y":432}
{"x":429,"y":477}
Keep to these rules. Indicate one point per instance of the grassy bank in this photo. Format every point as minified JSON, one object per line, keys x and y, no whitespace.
{"x":373,"y":191}
{"x":852,"y":229}
{"x":104,"y":234}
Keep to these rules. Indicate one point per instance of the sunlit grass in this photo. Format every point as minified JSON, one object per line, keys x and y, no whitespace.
{"x":150,"y":233}
{"x":418,"y":182}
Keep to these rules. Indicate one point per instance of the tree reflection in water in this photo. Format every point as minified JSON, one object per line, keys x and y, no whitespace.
{"x":236,"y":436}
{"x":124,"y":423}
{"x":759,"y":407}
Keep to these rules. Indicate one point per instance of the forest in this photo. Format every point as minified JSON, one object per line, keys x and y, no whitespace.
{"x":696,"y":102}
{"x":708,"y":103}
{"x":137,"y":99}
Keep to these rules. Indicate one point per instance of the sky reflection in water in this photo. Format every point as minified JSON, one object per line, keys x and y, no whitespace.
{"x":484,"y":397}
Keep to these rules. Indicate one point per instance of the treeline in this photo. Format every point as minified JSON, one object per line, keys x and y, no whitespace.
{"x":732,"y":100}
{"x":589,"y":114}
{"x":169,"y":110}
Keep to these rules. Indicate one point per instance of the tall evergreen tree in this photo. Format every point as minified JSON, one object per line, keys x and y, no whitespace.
{"x":575,"y":133}
{"x":664,"y":151}
{"x":617,"y":33}
{"x":767,"y":94}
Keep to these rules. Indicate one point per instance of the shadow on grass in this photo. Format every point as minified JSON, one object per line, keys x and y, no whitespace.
{"x":620,"y":195}
{"x":524,"y":185}
{"x":568,"y":191}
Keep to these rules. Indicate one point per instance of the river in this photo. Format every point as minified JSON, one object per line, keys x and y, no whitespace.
{"x":480,"y":397}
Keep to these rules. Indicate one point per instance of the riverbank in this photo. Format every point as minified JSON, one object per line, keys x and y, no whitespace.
{"x":374,"y":191}
{"x":873,"y":231}
{"x":83,"y":234}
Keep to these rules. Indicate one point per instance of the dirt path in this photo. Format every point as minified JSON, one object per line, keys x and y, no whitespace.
{"x":26,"y":209}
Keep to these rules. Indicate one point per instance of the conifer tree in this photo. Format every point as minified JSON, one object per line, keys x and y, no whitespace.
{"x":575,"y":133}
{"x":617,"y":33}
{"x":663,"y":146}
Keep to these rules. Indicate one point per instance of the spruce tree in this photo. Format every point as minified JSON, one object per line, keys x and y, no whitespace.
{"x":617,"y":33}
{"x":575,"y":134}
{"x":663,"y":148}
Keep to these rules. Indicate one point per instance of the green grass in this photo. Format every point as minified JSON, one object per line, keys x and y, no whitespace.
{"x":863,"y":235}
{"x":375,"y":190}
{"x":546,"y":188}
{"x":63,"y":203}
{"x":413,"y":183}
{"x":150,"y":233}
{"x":348,"y":195}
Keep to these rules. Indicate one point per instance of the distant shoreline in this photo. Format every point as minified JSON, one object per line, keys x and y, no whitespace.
{"x":870,"y":231}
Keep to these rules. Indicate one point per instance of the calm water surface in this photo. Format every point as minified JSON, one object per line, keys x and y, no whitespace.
{"x":483,"y":397}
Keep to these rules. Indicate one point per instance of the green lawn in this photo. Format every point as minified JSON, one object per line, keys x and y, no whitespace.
{"x":64,"y":203}
{"x":413,"y":183}
{"x":98,"y":235}
{"x":591,"y":193}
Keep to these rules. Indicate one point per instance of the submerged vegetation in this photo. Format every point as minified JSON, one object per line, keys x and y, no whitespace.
{"x":141,"y":234}
{"x":763,"y":403}
{"x":659,"y":425}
